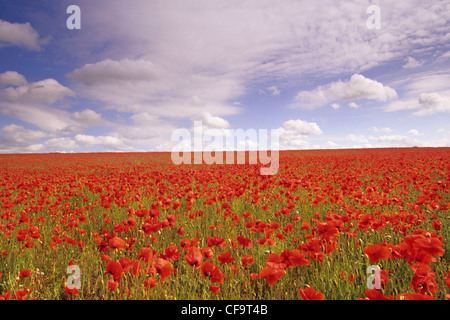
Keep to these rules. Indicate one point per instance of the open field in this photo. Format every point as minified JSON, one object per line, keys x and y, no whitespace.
{"x":137,"y":226}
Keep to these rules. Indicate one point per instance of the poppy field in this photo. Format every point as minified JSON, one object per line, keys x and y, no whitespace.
{"x":136,"y":226}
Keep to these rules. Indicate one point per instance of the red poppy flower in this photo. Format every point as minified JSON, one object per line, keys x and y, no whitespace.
{"x":214,"y":289}
{"x":414,"y":296}
{"x":216,"y":241}
{"x":150,"y":282}
{"x":208,"y":253}
{"x":112,"y":285}
{"x":6,"y":296}
{"x":164,"y":268}
{"x":275,"y":261}
{"x":213,"y":272}
{"x":294,"y":258}
{"x":374,"y":294}
{"x":116,"y":243}
{"x":207,"y":268}
{"x":114,"y":268}
{"x":423,"y":279}
{"x":105,"y":257}
{"x":288,"y":228}
{"x":271,"y":274}
{"x":437,"y":224}
{"x":305,"y":225}
{"x":246,"y":242}
{"x":432,"y":246}
{"x":217,"y":275}
{"x":20,"y":295}
{"x":145,"y":254}
{"x":376,"y":252}
{"x":180,"y":231}
{"x":171,"y":253}
{"x":135,"y":267}
{"x":310,"y":293}
{"x":447,"y":279}
{"x":25,"y":273}
{"x":225,"y":258}
{"x":71,"y":292}
{"x":247,"y":260}
{"x":194,"y":257}
{"x":352,"y":278}
{"x":254,"y":276}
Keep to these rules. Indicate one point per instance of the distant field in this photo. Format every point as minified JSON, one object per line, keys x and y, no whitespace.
{"x":136,"y":226}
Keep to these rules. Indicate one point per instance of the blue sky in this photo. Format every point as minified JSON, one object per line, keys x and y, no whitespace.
{"x":137,"y":71}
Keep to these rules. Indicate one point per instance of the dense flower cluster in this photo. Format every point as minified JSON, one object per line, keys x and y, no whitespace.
{"x":139,"y":226}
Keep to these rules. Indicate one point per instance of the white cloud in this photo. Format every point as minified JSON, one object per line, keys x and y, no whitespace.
{"x":381,"y":130}
{"x":107,"y":71}
{"x":20,"y":35}
{"x":287,"y":38}
{"x":357,"y":87}
{"x":114,"y":143}
{"x":397,"y":141}
{"x":414,"y":132}
{"x":57,"y":144}
{"x":335,"y":106}
{"x":213,"y":122}
{"x":331,"y":145}
{"x":273,"y":90}
{"x":425,"y":104}
{"x":87,"y":117}
{"x":15,"y":138}
{"x":33,"y":102}
{"x":46,"y":91}
{"x":301,"y":127}
{"x":412,"y":63}
{"x":12,"y":78}
{"x":219,"y":52}
{"x":425,"y":93}
{"x":431,"y":103}
{"x":294,"y":133}
{"x":353,"y":105}
{"x":139,"y":86}
{"x":357,"y":138}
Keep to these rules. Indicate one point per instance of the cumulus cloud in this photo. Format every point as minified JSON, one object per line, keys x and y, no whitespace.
{"x":35,"y":103}
{"x":87,"y":117}
{"x":144,"y":129}
{"x":12,"y":78}
{"x":218,"y":53}
{"x":46,"y":91}
{"x":58,"y":144}
{"x":425,"y":94}
{"x":357,"y":87}
{"x":431,"y":103}
{"x":294,"y":133}
{"x":20,"y":35}
{"x":110,"y":142}
{"x":139,"y":86}
{"x":213,"y":122}
{"x":15,"y":138}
